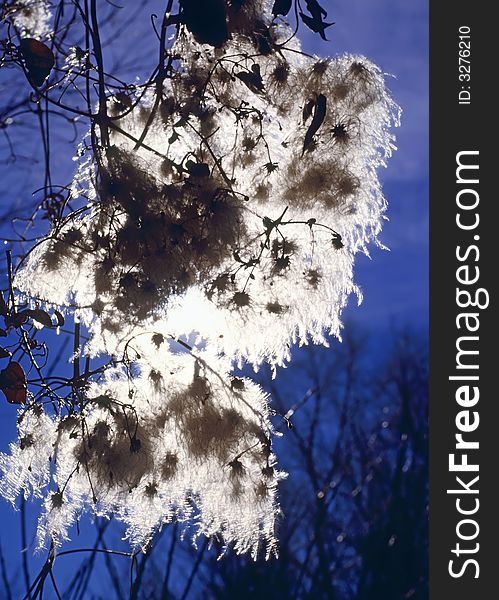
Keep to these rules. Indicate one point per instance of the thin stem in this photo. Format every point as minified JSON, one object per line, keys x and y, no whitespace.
{"x":102,"y":114}
{"x":161,"y":74}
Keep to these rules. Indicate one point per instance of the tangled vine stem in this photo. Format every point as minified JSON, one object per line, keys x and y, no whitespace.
{"x":213,"y":218}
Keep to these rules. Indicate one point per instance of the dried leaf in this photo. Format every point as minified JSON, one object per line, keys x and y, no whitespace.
{"x":40,"y":316}
{"x":315,"y":22}
{"x":315,"y":9}
{"x":318,"y":119}
{"x":316,"y":26}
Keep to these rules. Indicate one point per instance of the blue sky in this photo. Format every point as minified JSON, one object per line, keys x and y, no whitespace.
{"x":394,"y":35}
